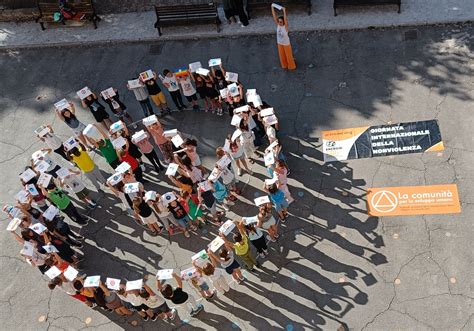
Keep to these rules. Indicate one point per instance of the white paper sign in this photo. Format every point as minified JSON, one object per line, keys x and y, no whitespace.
{"x":38,"y":228}
{"x":42,"y":166}
{"x":250,"y":220}
{"x":44,"y":179}
{"x":42,"y":131}
{"x":172,"y":169}
{"x":13,"y":224}
{"x":241,"y":109}
{"x":13,"y":211}
{"x":167,"y":198}
{"x":131,"y":188}
{"x":189,"y":273}
{"x":147,"y":121}
{"x":270,"y":120}
{"x":139,"y":136}
{"x":70,"y":143}
{"x":134,"y":285}
{"x":272,"y":145}
{"x":27,"y":175}
{"x":227,"y":227}
{"x":122,"y":168}
{"x":27,"y":249}
{"x":92,"y":281}
{"x":195,"y":66}
{"x":108,"y":93}
{"x":266,"y":112}
{"x":117,"y":126}
{"x":223,"y":162}
{"x":205,"y":186}
{"x":63,"y":173}
{"x":51,"y":212}
{"x":233,"y":89}
{"x":92,"y":132}
{"x":61,"y":104}
{"x":50,"y":248}
{"x":170,"y":133}
{"x":255,"y":100}
{"x":216,"y":244}
{"x":177,"y":141}
{"x":164,"y":274}
{"x":231,"y":77}
{"x":146,"y":75}
{"x":251,"y":92}
{"x":269,"y":159}
{"x":215,"y":62}
{"x":201,"y":258}
{"x":112,"y":283}
{"x":236,"y":119}
{"x":115,"y":179}
{"x":202,"y":71}
{"x":53,"y":272}
{"x":135,"y":83}
{"x":237,"y":133}
{"x":261,"y":200}
{"x":277,"y":6}
{"x":70,"y":273}
{"x":84,"y":93}
{"x":32,"y":189}
{"x":224,"y":93}
{"x":150,"y":195}
{"x":22,"y":196}
{"x":271,"y":181}
{"x":214,"y":175}
{"x":119,"y":143}
{"x":226,"y":146}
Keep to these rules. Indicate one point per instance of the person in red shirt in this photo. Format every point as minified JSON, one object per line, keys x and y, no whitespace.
{"x":125,"y":156}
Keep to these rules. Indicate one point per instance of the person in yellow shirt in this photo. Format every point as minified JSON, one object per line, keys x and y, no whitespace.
{"x":241,"y":246}
{"x":79,"y":156}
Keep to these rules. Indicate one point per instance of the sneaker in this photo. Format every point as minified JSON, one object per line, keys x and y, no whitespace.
{"x":265,"y":252}
{"x":173,"y":314}
{"x":239,"y":171}
{"x":154,"y":317}
{"x":211,"y":296}
{"x":79,"y":237}
{"x":283,"y":220}
{"x":146,"y":318}
{"x":226,"y":208}
{"x":197,"y":311}
{"x":92,"y":205}
{"x":134,"y":125}
{"x":186,"y":234}
{"x":78,"y":245}
{"x":262,"y":255}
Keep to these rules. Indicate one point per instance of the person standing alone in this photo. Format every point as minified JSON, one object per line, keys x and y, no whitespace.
{"x":284,"y":47}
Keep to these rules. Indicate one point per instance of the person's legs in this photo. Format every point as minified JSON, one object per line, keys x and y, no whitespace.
{"x":115,"y":163}
{"x":221,"y":284}
{"x":237,"y":274}
{"x":282,"y":55}
{"x":73,"y":214}
{"x":143,"y":104}
{"x":248,"y":259}
{"x":98,"y":175}
{"x":174,"y":97}
{"x":138,"y":174}
{"x":289,"y":57}
{"x":154,"y":160}
{"x":180,"y":99}
{"x":92,"y":178}
{"x":191,"y":303}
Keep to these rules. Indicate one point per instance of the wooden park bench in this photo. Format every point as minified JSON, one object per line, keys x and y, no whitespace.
{"x":186,"y":15}
{"x":84,"y":8}
{"x":344,"y":3}
{"x":260,"y":5}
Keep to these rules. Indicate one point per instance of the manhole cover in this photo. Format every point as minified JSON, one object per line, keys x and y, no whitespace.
{"x":156,"y":49}
{"x":411,"y":35}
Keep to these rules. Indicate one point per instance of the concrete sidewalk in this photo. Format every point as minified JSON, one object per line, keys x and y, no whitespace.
{"x":133,"y":27}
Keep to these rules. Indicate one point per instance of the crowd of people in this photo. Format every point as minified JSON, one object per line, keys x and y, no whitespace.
{"x":40,"y":217}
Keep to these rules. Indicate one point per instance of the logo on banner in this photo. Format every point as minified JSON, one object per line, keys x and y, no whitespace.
{"x":413,"y":200}
{"x":384,"y":201}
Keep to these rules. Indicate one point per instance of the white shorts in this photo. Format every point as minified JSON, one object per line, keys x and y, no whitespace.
{"x":150,"y":219}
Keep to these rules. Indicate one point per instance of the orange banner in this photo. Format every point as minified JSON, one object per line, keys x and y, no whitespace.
{"x":413,"y":200}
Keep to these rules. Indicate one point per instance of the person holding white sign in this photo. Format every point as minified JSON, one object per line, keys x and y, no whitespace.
{"x":220,"y":83}
{"x":215,"y":274}
{"x":237,"y":153}
{"x":284,"y":47}
{"x":267,"y":222}
{"x":171,"y":83}
{"x":164,"y":144}
{"x":241,"y":246}
{"x":257,"y":239}
{"x":52,"y":141}
{"x":156,"y":94}
{"x":72,"y":181}
{"x":202,"y":91}
{"x":61,"y":200}
{"x":246,"y":140}
{"x":186,"y":84}
{"x":178,"y":296}
{"x":141,"y":94}
{"x":143,"y":143}
{"x":82,"y":160}
{"x":68,"y":116}
{"x":97,"y":109}
{"x":278,"y":200}
{"x":280,"y":172}
{"x":144,"y":213}
{"x":118,"y":107}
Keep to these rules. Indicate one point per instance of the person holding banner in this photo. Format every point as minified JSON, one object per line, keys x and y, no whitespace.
{"x":283,"y":41}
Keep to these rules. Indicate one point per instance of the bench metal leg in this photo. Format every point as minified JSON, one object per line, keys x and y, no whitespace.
{"x":309,"y":7}
{"x":399,"y":8}
{"x":42,"y":26}
{"x":335,"y":11}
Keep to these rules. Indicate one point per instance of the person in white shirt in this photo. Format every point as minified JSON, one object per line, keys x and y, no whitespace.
{"x":284,"y":46}
{"x":170,"y":82}
{"x":52,"y":141}
{"x":186,"y":84}
{"x":215,"y":274}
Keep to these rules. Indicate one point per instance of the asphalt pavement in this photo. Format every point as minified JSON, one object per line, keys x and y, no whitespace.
{"x":334,"y":267}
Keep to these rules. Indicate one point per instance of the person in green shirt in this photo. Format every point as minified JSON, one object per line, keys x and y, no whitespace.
{"x":62,"y":201}
{"x":108,"y":152}
{"x":241,"y":246}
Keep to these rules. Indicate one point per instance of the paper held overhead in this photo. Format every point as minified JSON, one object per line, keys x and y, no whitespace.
{"x":123,"y":168}
{"x":170,"y":133}
{"x":115,"y":179}
{"x":215,"y":62}
{"x":146,"y":75}
{"x":172,"y":169}
{"x":92,"y":132}
{"x":164,"y":274}
{"x":92,"y":281}
{"x":231,"y":77}
{"x":84,"y":93}
{"x":62,"y":104}
{"x":139,"y":136}
{"x":119,"y":143}
{"x":27,"y":175}
{"x":236,"y":119}
{"x":113,"y":283}
{"x":134,"y":285}
{"x":227,"y":227}
{"x":150,"y":195}
{"x":195,"y":66}
{"x":261,"y":200}
{"x":150,"y":120}
{"x":135,"y":83}
{"x":202,"y":71}
{"x":266,"y":112}
{"x":117,"y":126}
{"x":108,"y":93}
{"x":177,"y":141}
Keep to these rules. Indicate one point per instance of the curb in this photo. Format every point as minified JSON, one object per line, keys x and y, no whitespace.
{"x":112,"y":42}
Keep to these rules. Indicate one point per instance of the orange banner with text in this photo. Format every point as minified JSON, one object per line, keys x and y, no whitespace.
{"x":413,"y":200}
